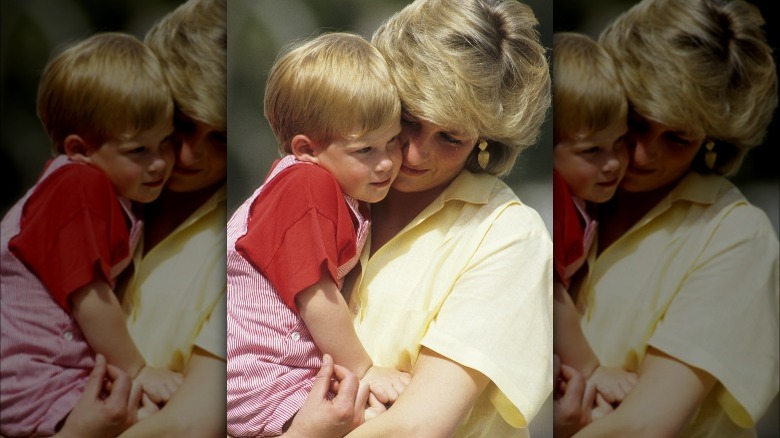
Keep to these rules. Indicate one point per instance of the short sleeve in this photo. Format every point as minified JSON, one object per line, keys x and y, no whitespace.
{"x":72,"y":231}
{"x":498,"y":317}
{"x":299,"y":227}
{"x":211,"y":336}
{"x":724,"y":318}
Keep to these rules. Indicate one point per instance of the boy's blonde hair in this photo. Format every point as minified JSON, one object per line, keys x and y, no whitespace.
{"x":333,"y":86}
{"x":699,"y":65}
{"x":107,"y":86}
{"x":587,"y":94}
{"x":191,"y":43}
{"x":475,"y":67}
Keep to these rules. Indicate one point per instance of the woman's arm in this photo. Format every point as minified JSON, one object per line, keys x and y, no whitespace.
{"x":660,"y":405}
{"x":197,"y":409}
{"x":437,"y":399}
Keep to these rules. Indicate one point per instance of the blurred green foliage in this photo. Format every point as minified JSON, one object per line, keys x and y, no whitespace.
{"x":30,"y":32}
{"x":258,"y":30}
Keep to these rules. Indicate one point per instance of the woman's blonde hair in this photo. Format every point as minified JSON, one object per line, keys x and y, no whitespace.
{"x":333,"y":86}
{"x":587,"y":94}
{"x":473,"y":66}
{"x":700,"y":65}
{"x":191,"y":43}
{"x":104,"y":87}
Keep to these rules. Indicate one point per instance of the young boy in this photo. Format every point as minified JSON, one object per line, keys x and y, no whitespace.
{"x":336,"y":115}
{"x":589,"y":160}
{"x":107,"y":109}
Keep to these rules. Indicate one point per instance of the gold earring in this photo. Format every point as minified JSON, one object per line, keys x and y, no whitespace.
{"x":710,"y":156}
{"x":484,"y":156}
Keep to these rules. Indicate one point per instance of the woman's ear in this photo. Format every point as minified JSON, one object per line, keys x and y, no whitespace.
{"x":76,"y":148}
{"x":304,"y":148}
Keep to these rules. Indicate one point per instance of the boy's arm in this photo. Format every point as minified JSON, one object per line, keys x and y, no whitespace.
{"x":326,"y":315}
{"x":571,"y":347}
{"x":100,"y":317}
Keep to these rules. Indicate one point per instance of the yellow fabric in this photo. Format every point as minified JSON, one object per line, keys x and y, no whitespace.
{"x":696,"y":278}
{"x":470,"y":278}
{"x":175,"y":299}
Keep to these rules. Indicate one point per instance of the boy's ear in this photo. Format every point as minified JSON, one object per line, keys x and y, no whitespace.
{"x":304,"y":148}
{"x":76,"y":148}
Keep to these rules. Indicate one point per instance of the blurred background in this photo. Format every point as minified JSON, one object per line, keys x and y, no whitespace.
{"x":31,"y":31}
{"x":258,"y":30}
{"x":758,"y":178}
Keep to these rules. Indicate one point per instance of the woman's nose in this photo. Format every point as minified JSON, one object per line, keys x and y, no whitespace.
{"x":643,"y":151}
{"x":190,"y":150}
{"x":415,"y":149}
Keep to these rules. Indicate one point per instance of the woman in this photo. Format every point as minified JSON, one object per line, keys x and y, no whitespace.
{"x":471,"y":312}
{"x":461,"y":297}
{"x":684,"y":287}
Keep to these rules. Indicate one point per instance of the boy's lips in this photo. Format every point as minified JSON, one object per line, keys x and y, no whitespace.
{"x":156,"y":183}
{"x":609,"y":183}
{"x":383,"y":183}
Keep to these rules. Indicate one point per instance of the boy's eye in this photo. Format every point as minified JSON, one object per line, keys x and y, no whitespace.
{"x":137,"y":150}
{"x":364,"y":150}
{"x":591,"y":150}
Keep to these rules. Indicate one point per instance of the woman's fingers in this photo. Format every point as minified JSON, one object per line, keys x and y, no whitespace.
{"x":95,"y":381}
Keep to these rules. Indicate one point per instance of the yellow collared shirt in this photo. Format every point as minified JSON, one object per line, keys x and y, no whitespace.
{"x":470,"y":278}
{"x":176,"y":298}
{"x":696,"y":278}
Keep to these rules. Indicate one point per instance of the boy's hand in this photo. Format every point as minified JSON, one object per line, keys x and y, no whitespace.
{"x":159,"y":383}
{"x":612,"y":383}
{"x":386,"y":383}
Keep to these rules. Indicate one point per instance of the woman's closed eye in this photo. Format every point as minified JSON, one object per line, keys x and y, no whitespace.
{"x":450,"y":139}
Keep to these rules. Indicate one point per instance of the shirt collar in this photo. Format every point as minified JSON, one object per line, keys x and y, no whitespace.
{"x":469,"y":187}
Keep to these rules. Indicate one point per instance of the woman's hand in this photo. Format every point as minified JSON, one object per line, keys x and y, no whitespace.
{"x":573,"y":400}
{"x":323,"y":418}
{"x":107,"y":407}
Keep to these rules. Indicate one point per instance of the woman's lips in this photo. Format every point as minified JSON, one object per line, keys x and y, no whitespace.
{"x":639,"y":171}
{"x":185,"y":170}
{"x":412,"y":171}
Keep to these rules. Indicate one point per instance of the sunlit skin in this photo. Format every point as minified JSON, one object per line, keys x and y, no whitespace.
{"x":201,"y":156}
{"x":364,"y":166}
{"x":592,"y":166}
{"x":659,"y":155}
{"x":432,"y":156}
{"x":137,"y":165}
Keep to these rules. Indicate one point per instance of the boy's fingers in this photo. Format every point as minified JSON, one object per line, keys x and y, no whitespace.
{"x":121,"y":383}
